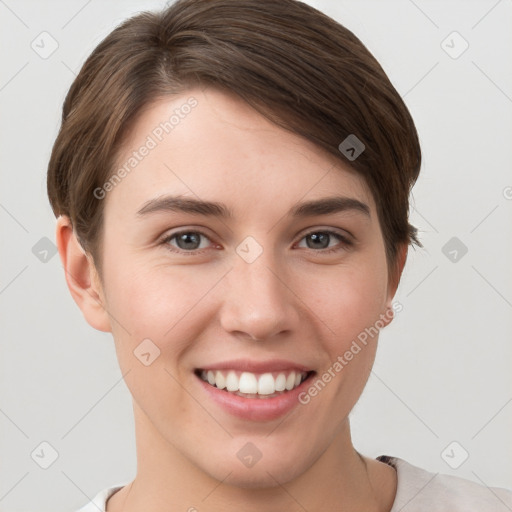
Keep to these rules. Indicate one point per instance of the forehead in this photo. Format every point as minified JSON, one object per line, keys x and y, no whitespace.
{"x":212,"y":145}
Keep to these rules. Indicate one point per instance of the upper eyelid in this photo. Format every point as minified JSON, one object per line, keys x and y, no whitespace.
{"x":336,"y":231}
{"x":200,"y":230}
{"x":343,"y":234}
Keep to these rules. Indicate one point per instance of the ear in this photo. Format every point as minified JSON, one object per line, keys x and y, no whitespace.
{"x":394,"y":281}
{"x":394,"y":278}
{"x":81,"y":276}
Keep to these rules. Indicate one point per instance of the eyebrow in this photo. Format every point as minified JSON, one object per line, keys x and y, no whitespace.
{"x":324,"y":206}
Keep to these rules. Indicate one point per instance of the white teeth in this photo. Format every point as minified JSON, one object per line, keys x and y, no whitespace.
{"x":290,"y":381}
{"x":248,"y":383}
{"x":266,"y":384}
{"x":281,"y":382}
{"x":252,"y":384}
{"x":220,"y":381}
{"x":232,"y":382}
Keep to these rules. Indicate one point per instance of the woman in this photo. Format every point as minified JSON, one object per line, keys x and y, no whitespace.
{"x":231,"y":181}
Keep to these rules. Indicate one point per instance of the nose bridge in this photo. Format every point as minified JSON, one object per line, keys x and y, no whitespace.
{"x":256,"y":301}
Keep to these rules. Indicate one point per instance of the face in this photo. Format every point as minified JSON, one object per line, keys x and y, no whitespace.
{"x":238,"y":253}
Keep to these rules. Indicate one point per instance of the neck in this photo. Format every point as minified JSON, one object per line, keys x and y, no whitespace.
{"x":340,"y":479}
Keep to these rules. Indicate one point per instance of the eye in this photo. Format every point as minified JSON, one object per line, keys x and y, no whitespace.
{"x":191,"y":242}
{"x":322,"y":241}
{"x":187,"y":241}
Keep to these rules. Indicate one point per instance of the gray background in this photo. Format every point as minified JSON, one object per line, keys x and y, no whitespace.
{"x":442,"y":373}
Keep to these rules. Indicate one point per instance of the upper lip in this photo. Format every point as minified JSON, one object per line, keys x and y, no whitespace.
{"x":247,"y":365}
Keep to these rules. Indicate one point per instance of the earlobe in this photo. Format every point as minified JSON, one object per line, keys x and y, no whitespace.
{"x":81,"y":276}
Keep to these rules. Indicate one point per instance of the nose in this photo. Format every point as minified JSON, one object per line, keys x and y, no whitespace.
{"x":258,"y":300}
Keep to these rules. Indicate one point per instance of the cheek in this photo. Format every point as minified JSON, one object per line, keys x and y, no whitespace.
{"x":168,"y":307}
{"x":158,"y":302}
{"x":348,"y":301}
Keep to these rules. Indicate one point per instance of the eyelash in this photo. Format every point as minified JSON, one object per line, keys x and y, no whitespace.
{"x":345,"y":242}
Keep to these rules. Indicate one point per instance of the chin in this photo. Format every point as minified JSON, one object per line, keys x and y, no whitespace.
{"x":253,"y":479}
{"x":263,"y":474}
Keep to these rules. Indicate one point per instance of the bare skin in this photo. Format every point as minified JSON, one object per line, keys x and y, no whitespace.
{"x":296,"y":301}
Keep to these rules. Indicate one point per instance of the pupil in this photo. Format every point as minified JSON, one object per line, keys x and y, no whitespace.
{"x":319,"y":240}
{"x":188,"y":241}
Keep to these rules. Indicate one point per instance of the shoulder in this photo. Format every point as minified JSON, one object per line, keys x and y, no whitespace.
{"x":419,"y":490}
{"x":98,"y":503}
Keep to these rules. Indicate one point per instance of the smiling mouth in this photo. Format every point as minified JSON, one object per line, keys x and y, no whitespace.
{"x":254,"y":385}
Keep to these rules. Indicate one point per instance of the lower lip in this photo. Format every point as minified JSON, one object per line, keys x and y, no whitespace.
{"x":255,"y":409}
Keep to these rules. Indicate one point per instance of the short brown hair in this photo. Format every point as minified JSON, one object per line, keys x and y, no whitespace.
{"x":293,"y":64}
